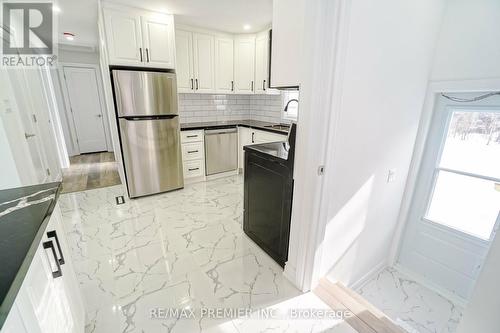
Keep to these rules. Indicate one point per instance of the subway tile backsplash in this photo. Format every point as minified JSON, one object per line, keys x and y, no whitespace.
{"x":219,"y":107}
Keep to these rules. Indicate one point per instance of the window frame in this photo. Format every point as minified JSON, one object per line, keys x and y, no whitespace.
{"x":450,"y":110}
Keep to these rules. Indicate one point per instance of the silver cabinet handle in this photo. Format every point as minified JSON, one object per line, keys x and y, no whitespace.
{"x":140,"y":52}
{"x":252,"y":85}
{"x":49,"y":245}
{"x":27,"y":135}
{"x":147,"y":54}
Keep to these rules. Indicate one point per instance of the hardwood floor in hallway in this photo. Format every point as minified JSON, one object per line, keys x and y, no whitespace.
{"x":90,"y":171}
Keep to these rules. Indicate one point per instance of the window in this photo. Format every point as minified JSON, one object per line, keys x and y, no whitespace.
{"x":293,"y":107}
{"x":466,"y":194}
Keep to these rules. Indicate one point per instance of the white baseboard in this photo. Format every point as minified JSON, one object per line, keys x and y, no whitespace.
{"x":290,"y":273}
{"x":457,"y":300}
{"x":368,"y":276}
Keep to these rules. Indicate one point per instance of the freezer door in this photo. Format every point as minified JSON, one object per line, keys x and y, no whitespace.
{"x":151,"y":155}
{"x":139,"y":93}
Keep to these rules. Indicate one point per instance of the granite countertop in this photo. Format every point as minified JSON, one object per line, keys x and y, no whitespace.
{"x":221,"y":124}
{"x":275,"y":149}
{"x":24,"y":215}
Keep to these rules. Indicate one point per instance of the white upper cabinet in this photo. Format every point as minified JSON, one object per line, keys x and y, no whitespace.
{"x":203,"y":56}
{"x":139,"y":38}
{"x":124,"y":38}
{"x":262,"y":62}
{"x":244,"y":64}
{"x":158,"y":39}
{"x":184,"y":61}
{"x":288,"y":23}
{"x":224,"y":65}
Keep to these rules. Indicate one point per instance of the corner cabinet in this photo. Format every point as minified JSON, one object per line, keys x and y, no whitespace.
{"x":139,"y":38}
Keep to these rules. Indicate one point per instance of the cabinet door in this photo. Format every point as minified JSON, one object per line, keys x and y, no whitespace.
{"x":203,"y":55}
{"x":49,"y":304}
{"x":158,"y":40}
{"x":224,"y":65}
{"x":123,"y":33}
{"x":184,"y":61}
{"x":244,"y":138}
{"x":244,"y":65}
{"x":261,"y":63}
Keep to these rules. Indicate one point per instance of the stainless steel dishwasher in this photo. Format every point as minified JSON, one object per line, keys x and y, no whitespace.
{"x":221,"y":150}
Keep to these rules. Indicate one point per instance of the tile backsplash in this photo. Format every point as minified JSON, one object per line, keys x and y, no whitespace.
{"x":220,"y":107}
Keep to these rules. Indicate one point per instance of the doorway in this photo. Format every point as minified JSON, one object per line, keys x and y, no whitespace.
{"x":84,"y":109}
{"x":454,"y":213}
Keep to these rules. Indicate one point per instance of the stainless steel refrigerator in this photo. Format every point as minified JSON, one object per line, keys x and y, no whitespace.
{"x":148,"y":121}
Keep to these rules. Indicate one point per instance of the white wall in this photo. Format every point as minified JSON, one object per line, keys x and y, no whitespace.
{"x":78,"y":57}
{"x":482,"y":313}
{"x":469,"y":46}
{"x":388,"y":60}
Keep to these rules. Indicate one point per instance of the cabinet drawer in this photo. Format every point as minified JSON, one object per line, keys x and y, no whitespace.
{"x":192,"y":151}
{"x":194,"y":168}
{"x":191,"y":136}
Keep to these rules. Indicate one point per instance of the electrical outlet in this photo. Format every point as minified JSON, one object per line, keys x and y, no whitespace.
{"x":391,"y":175}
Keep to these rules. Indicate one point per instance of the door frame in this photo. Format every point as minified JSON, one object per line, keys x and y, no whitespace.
{"x":434,"y":89}
{"x":67,"y":111}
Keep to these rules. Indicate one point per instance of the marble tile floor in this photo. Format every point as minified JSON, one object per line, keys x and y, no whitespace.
{"x":182,"y":250}
{"x":411,"y":305}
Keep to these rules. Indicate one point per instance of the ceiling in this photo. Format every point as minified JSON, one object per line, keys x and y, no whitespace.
{"x":80,"y":16}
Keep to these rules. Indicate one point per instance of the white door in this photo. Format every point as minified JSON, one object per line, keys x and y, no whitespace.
{"x":86,"y":110}
{"x":158,"y":40}
{"x":204,"y":73}
{"x":22,"y":126}
{"x":456,"y":204}
{"x":123,"y":33}
{"x":184,"y":61}
{"x":244,"y":65}
{"x":224,"y":65}
{"x":261,"y":63}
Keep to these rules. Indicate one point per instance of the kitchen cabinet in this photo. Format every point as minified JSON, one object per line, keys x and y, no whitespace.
{"x":214,"y":62}
{"x":184,"y":61}
{"x":49,"y":300}
{"x":195,"y":55}
{"x":203,"y":60}
{"x":124,"y":39}
{"x":262,"y":63}
{"x":158,"y":39}
{"x":139,"y":38}
{"x":193,"y":155}
{"x":224,"y":65}
{"x":286,"y":45}
{"x":244,"y":64}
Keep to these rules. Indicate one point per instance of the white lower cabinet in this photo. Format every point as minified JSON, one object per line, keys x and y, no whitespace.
{"x":249,"y":136}
{"x":193,"y":155}
{"x":49,"y":300}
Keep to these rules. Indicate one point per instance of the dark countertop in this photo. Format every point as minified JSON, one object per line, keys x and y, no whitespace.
{"x":222,"y":124}
{"x":24,"y":215}
{"x":275,"y":149}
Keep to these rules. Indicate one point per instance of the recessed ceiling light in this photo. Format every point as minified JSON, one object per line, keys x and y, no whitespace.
{"x":56,"y":9}
{"x":247,"y":27}
{"x":69,"y":35}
